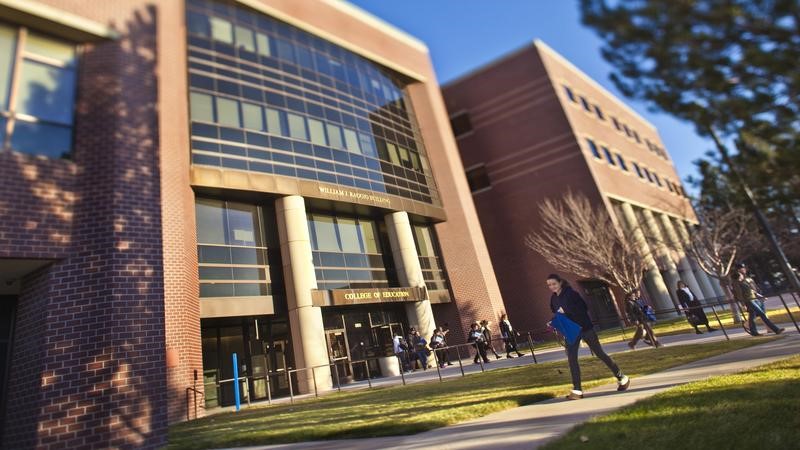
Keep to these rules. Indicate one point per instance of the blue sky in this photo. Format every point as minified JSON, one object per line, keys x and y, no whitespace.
{"x":465,"y":34}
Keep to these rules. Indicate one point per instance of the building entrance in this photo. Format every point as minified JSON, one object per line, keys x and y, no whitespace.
{"x":601,"y":303}
{"x":263,"y":349}
{"x":359,"y":333}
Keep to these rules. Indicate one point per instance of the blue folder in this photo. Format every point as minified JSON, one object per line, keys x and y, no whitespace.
{"x":569,"y":329}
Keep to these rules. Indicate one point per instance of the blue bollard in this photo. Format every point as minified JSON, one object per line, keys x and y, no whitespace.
{"x":236,"y":382}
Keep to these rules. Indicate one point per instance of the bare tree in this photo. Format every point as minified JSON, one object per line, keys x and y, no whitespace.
{"x":577,"y":238}
{"x":717,"y":242}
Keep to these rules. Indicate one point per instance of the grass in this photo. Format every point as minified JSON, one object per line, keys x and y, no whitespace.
{"x":402,"y":410}
{"x":758,"y":408}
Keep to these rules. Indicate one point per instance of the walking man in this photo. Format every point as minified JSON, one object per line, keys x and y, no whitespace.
{"x":745,"y":292}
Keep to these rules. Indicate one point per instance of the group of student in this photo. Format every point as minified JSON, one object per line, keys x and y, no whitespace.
{"x":414,"y":350}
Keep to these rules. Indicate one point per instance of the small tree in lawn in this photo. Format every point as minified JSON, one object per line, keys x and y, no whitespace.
{"x":577,"y":238}
{"x":717,"y":242}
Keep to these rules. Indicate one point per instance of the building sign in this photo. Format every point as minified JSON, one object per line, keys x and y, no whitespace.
{"x":347,"y":194}
{"x":336,"y":297}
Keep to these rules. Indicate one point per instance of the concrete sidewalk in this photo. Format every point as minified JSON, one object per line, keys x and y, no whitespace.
{"x":531,"y":426}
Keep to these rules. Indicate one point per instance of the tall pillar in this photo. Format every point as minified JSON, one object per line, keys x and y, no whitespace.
{"x":409,"y":272}
{"x":670,"y":275}
{"x":684,"y":266}
{"x":305,"y":319}
{"x":706,"y":287}
{"x":652,"y":278}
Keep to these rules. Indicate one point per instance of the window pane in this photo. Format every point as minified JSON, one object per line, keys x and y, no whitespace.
{"x":262,"y":41}
{"x":297,"y":127}
{"x":201,"y":106}
{"x":228,"y":112}
{"x":335,"y":136}
{"x":244,"y":39}
{"x":348,"y":232}
{"x":253,"y":117}
{"x":46,"y":92}
{"x":198,"y":24}
{"x":216,"y":290}
{"x":50,"y":48}
{"x":221,"y":30}
{"x":8,"y":40}
{"x":351,"y":140}
{"x":367,"y":147}
{"x":41,"y":139}
{"x":325,"y":234}
{"x":424,"y":241}
{"x":368,"y":236}
{"x":393,"y":154}
{"x":274,"y":125}
{"x":317,"y":131}
{"x":210,"y":217}
{"x":243,"y":225}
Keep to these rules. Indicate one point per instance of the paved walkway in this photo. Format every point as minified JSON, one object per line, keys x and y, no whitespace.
{"x":531,"y":426}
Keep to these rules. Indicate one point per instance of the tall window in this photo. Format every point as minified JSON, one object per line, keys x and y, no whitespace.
{"x":231,"y":249}
{"x":428,"y":249}
{"x":593,"y":148}
{"x":37,"y":92}
{"x":348,"y":252}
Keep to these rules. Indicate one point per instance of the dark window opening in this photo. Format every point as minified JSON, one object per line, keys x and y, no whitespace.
{"x":461,"y":124}
{"x":478,"y":179}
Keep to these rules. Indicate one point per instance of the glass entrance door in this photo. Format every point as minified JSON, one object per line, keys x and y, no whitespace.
{"x":338,"y":352}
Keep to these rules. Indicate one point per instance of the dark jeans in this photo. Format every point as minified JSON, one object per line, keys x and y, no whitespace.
{"x":590,"y":337}
{"x":643,"y":329}
{"x":480,"y":351}
{"x":752,"y":312}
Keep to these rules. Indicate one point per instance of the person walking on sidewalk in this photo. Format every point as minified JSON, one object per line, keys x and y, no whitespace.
{"x":745,"y":292}
{"x":635,"y":307}
{"x":509,"y":336}
{"x":478,"y":341}
{"x":437,"y":345}
{"x":692,"y":308}
{"x":487,"y":335}
{"x":568,"y":302}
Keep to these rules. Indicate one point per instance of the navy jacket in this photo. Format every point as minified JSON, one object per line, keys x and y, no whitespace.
{"x":574,"y":307}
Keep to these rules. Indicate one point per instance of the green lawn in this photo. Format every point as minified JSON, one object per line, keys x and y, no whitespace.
{"x":401,"y":410}
{"x":759,"y":408}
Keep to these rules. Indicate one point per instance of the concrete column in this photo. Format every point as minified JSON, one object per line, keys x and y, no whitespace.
{"x":409,"y":272}
{"x":706,"y":286}
{"x":305,"y":320}
{"x":652,"y":279}
{"x":671,"y":274}
{"x":684,"y":265}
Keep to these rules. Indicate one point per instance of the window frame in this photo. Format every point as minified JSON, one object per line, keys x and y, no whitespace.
{"x":11,"y":114}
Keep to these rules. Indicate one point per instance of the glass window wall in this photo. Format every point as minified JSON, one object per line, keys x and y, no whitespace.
{"x":348,"y":252}
{"x":333,"y":107}
{"x":231,"y":248}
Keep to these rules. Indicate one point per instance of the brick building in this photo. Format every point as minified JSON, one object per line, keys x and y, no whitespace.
{"x":186,"y":180}
{"x":531,"y":126}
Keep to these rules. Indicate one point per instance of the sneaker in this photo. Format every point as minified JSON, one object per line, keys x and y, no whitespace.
{"x":623,"y":382}
{"x":520,"y":355}
{"x":631,"y":345}
{"x":780,"y":330}
{"x":698,"y":332}
{"x":710,"y":329}
{"x":575,"y":395}
{"x":755,"y":333}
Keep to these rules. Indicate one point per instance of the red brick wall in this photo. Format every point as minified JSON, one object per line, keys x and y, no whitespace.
{"x":521,"y":135}
{"x":95,"y":320}
{"x":181,"y":289}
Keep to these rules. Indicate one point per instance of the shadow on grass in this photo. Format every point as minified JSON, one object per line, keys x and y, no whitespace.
{"x":755,"y":409}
